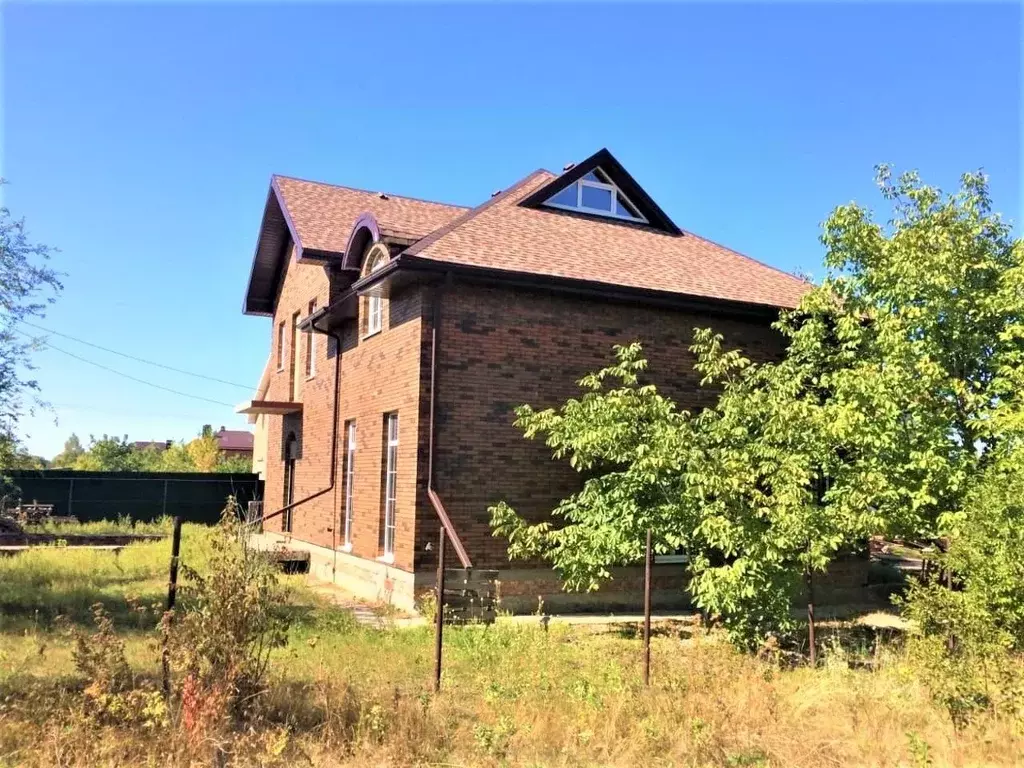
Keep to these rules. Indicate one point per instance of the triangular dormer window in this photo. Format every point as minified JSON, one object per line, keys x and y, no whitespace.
{"x":597,"y":194}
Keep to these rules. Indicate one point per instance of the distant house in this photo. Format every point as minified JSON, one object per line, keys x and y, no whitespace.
{"x":234,"y":442}
{"x":403,"y":333}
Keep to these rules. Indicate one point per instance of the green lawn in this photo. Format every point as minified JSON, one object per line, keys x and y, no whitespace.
{"x":343,"y":694}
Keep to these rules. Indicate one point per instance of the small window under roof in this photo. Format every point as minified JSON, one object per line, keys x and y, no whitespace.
{"x":595,"y":193}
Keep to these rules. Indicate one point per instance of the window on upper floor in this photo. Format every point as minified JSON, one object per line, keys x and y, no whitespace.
{"x":375,"y":304}
{"x":294,"y":389}
{"x":311,"y":344}
{"x":595,"y":193}
{"x":280,"y":346}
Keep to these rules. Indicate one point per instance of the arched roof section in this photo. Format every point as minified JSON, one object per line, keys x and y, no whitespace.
{"x":365,"y":232}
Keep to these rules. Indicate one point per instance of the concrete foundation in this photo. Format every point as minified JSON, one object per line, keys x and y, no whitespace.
{"x":534,"y":590}
{"x":372,"y":580}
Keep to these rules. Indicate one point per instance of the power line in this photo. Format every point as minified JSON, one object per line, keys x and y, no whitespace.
{"x":125,"y":375}
{"x":163,"y":415}
{"x":246,"y":387}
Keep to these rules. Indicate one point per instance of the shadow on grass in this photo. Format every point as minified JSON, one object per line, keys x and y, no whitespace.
{"x":38,"y":696}
{"x":20,"y":609}
{"x":32,"y":606}
{"x":681,"y":630}
{"x":294,"y":704}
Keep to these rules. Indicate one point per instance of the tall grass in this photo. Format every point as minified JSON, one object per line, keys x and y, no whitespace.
{"x":161,"y":525}
{"x":42,"y":583}
{"x":513,"y":694}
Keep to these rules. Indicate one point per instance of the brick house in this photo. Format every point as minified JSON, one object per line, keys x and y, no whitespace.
{"x":404,"y":332}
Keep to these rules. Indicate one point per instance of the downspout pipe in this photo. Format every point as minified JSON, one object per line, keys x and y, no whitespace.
{"x":334,"y":429}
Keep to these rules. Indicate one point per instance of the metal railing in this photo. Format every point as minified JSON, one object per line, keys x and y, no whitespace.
{"x":460,"y":551}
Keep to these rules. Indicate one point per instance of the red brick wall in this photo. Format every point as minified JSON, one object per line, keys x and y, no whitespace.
{"x":299,"y":284}
{"x":379,"y":374}
{"x":501,"y":348}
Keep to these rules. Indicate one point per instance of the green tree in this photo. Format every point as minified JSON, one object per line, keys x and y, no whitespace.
{"x":27,"y":286}
{"x":111,"y":454}
{"x":114,"y":454}
{"x":928,"y":313}
{"x":968,"y":640}
{"x":896,"y":387}
{"x":14,"y":456}
{"x":237,"y":464}
{"x":204,"y":452}
{"x":176,"y":458}
{"x":67,"y":457}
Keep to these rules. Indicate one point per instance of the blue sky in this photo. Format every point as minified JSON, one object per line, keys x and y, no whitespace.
{"x":139,"y":139}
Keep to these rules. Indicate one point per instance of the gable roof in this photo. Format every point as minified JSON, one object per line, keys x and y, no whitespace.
{"x":233,"y":439}
{"x":318,"y":219}
{"x":322,"y":214}
{"x":515,"y":234}
{"x":505,"y":234}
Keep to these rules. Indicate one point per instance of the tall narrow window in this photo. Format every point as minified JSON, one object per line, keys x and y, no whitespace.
{"x":350,"y":476}
{"x":289,"y":482}
{"x":311,"y":345}
{"x":390,"y":482}
{"x":295,"y":357}
{"x":375,"y":304}
{"x":280,"y":346}
{"x":375,"y":315}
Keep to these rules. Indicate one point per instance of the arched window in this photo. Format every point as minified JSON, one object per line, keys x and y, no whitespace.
{"x":376,"y":259}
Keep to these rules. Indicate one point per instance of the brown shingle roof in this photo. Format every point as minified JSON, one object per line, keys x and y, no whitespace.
{"x":233,"y":439}
{"x":323,"y":214}
{"x":501,"y":234}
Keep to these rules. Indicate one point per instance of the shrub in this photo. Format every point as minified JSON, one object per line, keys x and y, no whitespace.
{"x":969,"y":637}
{"x":230,"y":621}
{"x":113,"y":694}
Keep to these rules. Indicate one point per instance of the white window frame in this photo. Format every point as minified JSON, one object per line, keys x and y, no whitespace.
{"x":350,"y":476}
{"x":375,"y":315}
{"x":281,"y":335}
{"x":295,"y":379}
{"x":311,"y":344}
{"x":375,"y":304}
{"x":390,"y":486}
{"x":615,"y":192}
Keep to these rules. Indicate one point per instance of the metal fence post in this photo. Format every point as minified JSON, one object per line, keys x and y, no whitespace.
{"x":172,"y":594}
{"x":810,"y":617}
{"x":71,"y":497}
{"x":439,"y":618}
{"x":951,"y":639}
{"x":647,"y":610}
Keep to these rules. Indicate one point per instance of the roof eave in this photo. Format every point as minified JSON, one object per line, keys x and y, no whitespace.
{"x":267,"y":258}
{"x":377,"y":283}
